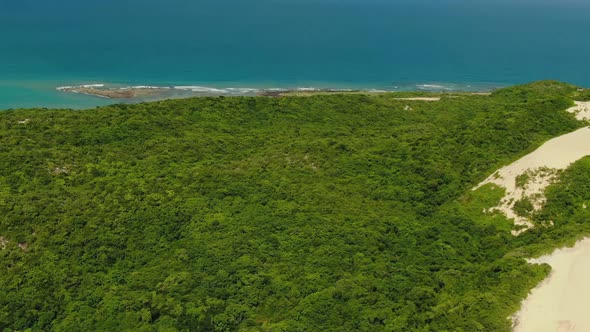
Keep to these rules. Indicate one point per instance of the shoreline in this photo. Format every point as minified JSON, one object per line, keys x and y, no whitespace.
{"x":422,"y":92}
{"x":75,"y":93}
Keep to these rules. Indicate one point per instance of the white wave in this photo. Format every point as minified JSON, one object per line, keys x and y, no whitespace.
{"x":200,"y":89}
{"x":334,"y":90}
{"x":432,"y":87}
{"x":192,"y":88}
{"x":228,"y":91}
{"x":223,"y":91}
{"x":73,"y":87}
{"x":92,"y":85}
{"x":242,"y":90}
{"x":145,"y":87}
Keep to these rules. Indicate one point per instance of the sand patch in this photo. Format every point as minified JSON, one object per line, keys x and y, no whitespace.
{"x":526,"y":179}
{"x":581,"y":110}
{"x":420,"y":98}
{"x":560,"y":302}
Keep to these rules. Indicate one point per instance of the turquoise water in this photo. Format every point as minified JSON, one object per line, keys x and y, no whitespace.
{"x":381,"y":44}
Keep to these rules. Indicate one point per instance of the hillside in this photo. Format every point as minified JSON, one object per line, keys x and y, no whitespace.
{"x":323,"y":213}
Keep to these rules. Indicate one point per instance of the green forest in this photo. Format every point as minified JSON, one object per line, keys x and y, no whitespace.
{"x":341,"y":212}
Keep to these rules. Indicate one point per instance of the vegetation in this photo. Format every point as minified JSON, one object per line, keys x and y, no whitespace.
{"x":326,"y":213}
{"x":523,"y":207}
{"x":523,"y":179}
{"x":582,"y":95}
{"x":568,"y":201}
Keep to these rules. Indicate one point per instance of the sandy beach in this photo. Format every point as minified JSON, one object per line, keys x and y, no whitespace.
{"x":559,"y":303}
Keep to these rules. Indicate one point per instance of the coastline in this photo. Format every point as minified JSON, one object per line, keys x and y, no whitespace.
{"x":74,"y":93}
{"x":146,"y":91}
{"x":154,"y":92}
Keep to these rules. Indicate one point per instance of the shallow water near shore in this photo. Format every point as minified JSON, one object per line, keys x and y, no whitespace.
{"x":375,"y":44}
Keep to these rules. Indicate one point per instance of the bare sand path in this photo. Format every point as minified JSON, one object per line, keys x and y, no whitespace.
{"x":420,"y":98}
{"x":561,"y":303}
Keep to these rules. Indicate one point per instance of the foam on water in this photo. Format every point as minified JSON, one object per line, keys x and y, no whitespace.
{"x":145,"y":87}
{"x":62,"y":88}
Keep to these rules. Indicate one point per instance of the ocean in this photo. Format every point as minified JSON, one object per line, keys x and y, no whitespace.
{"x":220,"y":44}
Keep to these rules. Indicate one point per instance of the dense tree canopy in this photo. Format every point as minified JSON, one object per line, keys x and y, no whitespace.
{"x":323,"y":213}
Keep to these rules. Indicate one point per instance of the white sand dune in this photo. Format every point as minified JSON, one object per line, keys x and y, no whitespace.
{"x":561,"y":302}
{"x":581,"y":110}
{"x":541,"y":166}
{"x":555,"y":154}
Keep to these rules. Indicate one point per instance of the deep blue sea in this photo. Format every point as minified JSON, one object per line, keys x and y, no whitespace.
{"x":380,"y":44}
